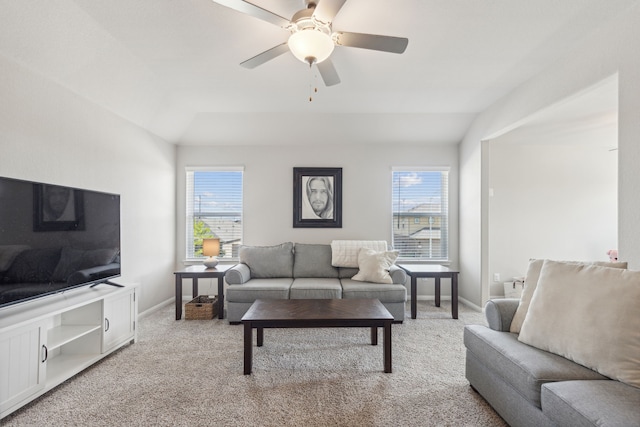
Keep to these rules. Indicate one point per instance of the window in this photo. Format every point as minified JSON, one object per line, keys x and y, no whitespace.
{"x":420,"y":206}
{"x":214,"y":210}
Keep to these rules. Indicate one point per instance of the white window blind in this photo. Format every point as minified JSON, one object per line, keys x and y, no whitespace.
{"x":420,"y":211}
{"x":214,"y":210}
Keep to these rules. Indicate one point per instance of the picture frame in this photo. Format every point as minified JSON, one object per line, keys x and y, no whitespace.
{"x":317,"y":197}
{"x":57,"y":208}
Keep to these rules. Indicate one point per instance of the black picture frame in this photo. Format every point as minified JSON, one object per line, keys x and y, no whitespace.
{"x":70,"y":216}
{"x":312,"y":187}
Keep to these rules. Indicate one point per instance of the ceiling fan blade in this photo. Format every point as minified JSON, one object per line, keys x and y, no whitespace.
{"x":372,"y":41}
{"x":326,"y":10}
{"x":255,"y":11}
{"x":328,"y":72}
{"x":265,"y":56}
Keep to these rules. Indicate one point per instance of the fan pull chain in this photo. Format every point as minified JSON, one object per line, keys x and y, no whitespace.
{"x":312,"y":88}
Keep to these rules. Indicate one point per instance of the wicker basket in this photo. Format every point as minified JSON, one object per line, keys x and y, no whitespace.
{"x":201,"y":308}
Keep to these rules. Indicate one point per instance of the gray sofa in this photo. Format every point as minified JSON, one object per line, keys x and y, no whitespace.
{"x":303,"y":271}
{"x":531,"y":387}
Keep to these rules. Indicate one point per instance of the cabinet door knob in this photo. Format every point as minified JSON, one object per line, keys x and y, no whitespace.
{"x":106,"y":324}
{"x":45,"y":353}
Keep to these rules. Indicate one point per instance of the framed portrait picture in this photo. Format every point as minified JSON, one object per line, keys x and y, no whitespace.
{"x":317,"y":197}
{"x":57,"y":208}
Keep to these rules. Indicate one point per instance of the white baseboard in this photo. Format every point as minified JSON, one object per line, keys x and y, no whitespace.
{"x":155,"y":308}
{"x":464,"y":301}
{"x":448,"y":298}
{"x":470,"y":304}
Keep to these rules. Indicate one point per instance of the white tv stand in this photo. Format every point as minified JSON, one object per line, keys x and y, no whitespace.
{"x":48,"y":340}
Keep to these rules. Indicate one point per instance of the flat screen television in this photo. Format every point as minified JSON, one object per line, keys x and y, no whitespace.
{"x":55,"y":238}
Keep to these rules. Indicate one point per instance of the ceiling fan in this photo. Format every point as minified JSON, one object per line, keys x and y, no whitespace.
{"x":312,"y":39}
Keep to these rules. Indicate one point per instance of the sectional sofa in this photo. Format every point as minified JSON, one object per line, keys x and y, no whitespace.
{"x":567,"y":354}
{"x":344,"y":269}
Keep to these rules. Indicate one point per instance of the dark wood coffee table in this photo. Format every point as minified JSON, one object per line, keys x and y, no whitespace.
{"x":316,"y":313}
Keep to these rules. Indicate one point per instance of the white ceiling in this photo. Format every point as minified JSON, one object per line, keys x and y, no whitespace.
{"x":172,"y":66}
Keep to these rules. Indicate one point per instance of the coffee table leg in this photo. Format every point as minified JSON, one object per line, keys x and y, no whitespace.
{"x":260,"y":336}
{"x":387,"y":347}
{"x":248,"y":348}
{"x":437,"y":291}
{"x":178,"y":297}
{"x":374,"y":335}
{"x":454,"y":296}
{"x":221,"y":297}
{"x":414,"y":297}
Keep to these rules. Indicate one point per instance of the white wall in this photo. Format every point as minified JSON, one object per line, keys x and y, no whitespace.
{"x":268,"y":188}
{"x":49,"y":134}
{"x":607,"y":51}
{"x":549,"y":201}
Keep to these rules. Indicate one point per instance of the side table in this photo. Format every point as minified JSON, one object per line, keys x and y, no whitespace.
{"x":437,"y":272}
{"x":195,"y":272}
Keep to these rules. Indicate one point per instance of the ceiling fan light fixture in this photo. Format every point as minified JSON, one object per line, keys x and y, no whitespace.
{"x":312,"y":38}
{"x":311,"y":45}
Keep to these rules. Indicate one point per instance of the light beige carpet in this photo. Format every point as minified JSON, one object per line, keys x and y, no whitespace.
{"x":189,"y":373}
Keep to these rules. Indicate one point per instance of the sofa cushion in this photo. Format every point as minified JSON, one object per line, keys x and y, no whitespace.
{"x":526,"y":368}
{"x":316,"y":288}
{"x":374,"y":266}
{"x":347,"y":272}
{"x":33,"y":266}
{"x":313,"y":261}
{"x":591,"y":403}
{"x":344,"y":253}
{"x":259,"y":289}
{"x":268,"y":261}
{"x":588,"y":314}
{"x":531,"y":281}
{"x":384,"y":292}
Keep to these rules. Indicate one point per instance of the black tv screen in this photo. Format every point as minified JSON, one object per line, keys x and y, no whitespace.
{"x":55,"y":238}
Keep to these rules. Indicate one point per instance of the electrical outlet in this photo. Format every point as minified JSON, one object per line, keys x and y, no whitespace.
{"x":496,"y":277}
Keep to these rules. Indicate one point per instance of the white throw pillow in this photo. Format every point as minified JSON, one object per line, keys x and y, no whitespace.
{"x":588,"y":314}
{"x":531,"y":280}
{"x":374,"y":266}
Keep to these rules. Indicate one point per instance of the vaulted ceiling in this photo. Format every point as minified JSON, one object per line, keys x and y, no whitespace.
{"x":172,"y":67}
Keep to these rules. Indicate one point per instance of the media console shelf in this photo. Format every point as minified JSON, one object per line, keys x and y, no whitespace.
{"x":46,"y":341}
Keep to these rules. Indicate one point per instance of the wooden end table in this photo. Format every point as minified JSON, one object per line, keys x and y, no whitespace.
{"x":436,"y":272}
{"x":195,"y":272}
{"x":316,"y":313}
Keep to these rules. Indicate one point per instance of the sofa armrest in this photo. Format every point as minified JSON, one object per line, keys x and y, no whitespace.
{"x":238,"y":274}
{"x":398,"y":275}
{"x":500,"y":312}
